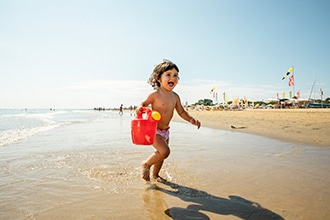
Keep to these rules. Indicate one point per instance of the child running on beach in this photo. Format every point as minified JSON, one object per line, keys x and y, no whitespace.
{"x":164,"y":100}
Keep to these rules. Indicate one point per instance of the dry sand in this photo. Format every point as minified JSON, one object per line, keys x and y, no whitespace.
{"x":306,"y":126}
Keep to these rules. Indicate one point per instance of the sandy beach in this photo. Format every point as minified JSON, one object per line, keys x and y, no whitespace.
{"x":88,"y":168}
{"x":306,"y":126}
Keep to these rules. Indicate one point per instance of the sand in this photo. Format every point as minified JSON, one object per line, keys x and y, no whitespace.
{"x":92,"y":170}
{"x":287,"y":172}
{"x":306,"y":126}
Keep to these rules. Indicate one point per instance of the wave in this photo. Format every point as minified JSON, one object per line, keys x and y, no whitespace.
{"x":19,"y":125}
{"x":12,"y":136}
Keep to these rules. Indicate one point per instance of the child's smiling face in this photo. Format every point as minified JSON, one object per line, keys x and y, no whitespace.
{"x":169,"y":79}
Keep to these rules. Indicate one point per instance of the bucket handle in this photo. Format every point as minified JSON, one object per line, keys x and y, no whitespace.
{"x":144,"y":110}
{"x":151,"y":114}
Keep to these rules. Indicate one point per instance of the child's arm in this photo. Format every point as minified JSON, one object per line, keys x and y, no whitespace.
{"x":185,"y":115}
{"x":145,"y":103}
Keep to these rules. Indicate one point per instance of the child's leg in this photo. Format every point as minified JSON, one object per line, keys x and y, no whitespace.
{"x":157,"y":158}
{"x":156,"y":168}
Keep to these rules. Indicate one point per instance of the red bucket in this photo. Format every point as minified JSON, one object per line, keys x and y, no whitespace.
{"x":144,"y":126}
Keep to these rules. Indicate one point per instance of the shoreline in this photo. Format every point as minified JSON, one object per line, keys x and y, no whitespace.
{"x":304,"y":126}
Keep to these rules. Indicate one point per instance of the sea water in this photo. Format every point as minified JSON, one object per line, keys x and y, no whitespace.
{"x":20,"y":124}
{"x":54,"y":160}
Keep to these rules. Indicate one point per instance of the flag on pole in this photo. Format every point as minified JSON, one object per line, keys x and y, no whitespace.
{"x":298,"y":94}
{"x":288,"y":73}
{"x":291,"y":81}
{"x":290,"y":94}
{"x":321,"y":92}
{"x":224,"y":98}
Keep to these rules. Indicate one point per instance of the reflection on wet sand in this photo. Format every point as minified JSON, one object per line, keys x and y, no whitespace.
{"x":203,"y":201}
{"x":154,"y":202}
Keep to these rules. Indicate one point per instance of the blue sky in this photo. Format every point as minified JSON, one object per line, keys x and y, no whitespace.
{"x":85,"y":54}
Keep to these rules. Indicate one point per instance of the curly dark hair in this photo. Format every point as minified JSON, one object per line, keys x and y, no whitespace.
{"x":159,"y":70}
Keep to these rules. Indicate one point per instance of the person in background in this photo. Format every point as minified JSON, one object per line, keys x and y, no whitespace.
{"x":121,"y":109}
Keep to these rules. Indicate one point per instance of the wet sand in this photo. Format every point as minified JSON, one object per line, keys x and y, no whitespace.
{"x":92,"y":171}
{"x":306,"y":126}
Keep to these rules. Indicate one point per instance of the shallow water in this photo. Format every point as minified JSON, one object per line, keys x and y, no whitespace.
{"x":90,"y":170}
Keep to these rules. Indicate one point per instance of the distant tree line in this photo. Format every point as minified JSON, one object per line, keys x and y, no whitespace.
{"x":205,"y":102}
{"x":209,"y":102}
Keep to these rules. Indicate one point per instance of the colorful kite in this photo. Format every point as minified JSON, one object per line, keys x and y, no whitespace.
{"x":288,"y":73}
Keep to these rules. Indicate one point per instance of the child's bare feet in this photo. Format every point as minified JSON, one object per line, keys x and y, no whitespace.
{"x":145,"y":172}
{"x":159,"y":179}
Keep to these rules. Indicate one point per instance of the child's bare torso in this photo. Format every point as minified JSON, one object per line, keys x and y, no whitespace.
{"x":164,"y":103}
